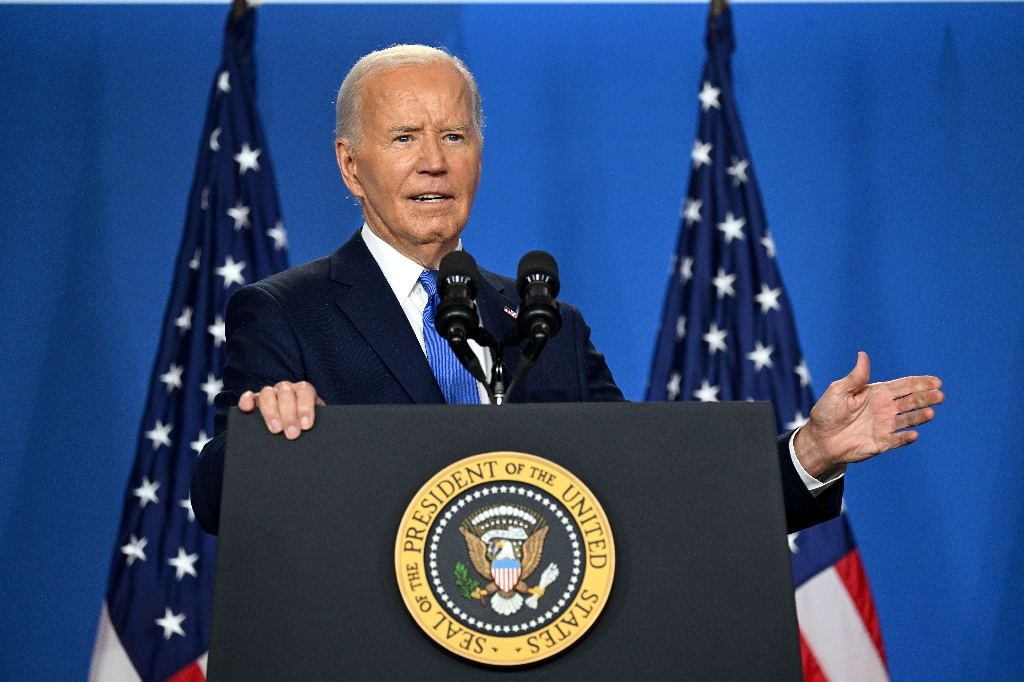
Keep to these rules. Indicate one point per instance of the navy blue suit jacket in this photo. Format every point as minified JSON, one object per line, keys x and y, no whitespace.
{"x":336,"y":323}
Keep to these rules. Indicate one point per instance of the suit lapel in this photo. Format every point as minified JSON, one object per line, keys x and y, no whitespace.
{"x":494,"y":303}
{"x":364,"y":295}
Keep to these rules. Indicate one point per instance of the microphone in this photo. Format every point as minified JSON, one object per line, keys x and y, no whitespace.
{"x":538,"y":285}
{"x":456,"y":318}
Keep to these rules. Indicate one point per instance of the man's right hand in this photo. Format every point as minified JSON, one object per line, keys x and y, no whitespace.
{"x":285,"y":407}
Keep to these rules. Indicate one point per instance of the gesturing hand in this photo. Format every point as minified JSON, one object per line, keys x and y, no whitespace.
{"x":285,"y":406}
{"x":855,"y":420}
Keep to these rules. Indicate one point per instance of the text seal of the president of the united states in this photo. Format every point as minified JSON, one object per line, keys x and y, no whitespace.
{"x":505,"y":558}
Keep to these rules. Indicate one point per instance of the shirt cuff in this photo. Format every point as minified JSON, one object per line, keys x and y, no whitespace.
{"x":814,"y":486}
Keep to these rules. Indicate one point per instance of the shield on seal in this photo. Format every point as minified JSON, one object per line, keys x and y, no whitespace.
{"x":505,"y":573}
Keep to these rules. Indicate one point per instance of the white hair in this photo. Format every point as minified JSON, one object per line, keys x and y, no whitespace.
{"x":348,"y":122}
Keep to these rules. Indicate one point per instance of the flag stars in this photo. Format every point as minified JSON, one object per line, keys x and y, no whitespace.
{"x":732,"y":227}
{"x":691,"y":212}
{"x":672,"y":389}
{"x":184,"y":563}
{"x":798,"y":420}
{"x":134,"y":550}
{"x":769,"y":298}
{"x":681,"y":328}
{"x":804,"y":373}
{"x":217,"y":331}
{"x":171,"y":623}
{"x":761,"y":356}
{"x":738,"y":171}
{"x":723,"y":283}
{"x":247,"y":159}
{"x":278,"y":234}
{"x":240,"y":214}
{"x":172,"y":379}
{"x":187,"y":504}
{"x":147,"y":492}
{"x":715,"y":339}
{"x":224,"y":81}
{"x":708,"y":97}
{"x":195,"y":262}
{"x":200,"y":442}
{"x":769,"y":244}
{"x":791,"y":538}
{"x":707,"y":393}
{"x":701,"y":154}
{"x":211,"y":388}
{"x":160,"y":434}
{"x":686,"y":269}
{"x":231,"y":272}
{"x":214,"y":140}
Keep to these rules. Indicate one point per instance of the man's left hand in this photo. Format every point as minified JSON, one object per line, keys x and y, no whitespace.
{"x":855,"y":420}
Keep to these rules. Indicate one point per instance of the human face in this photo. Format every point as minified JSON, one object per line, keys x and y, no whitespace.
{"x":418,"y":166}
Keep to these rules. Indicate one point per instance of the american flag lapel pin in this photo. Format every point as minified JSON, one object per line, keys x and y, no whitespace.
{"x":513,"y":314}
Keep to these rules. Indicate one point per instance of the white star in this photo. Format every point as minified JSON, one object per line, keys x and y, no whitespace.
{"x":187,"y":504}
{"x":240,"y":214}
{"x":184,"y":563}
{"x":700,"y":154}
{"x":211,"y":388}
{"x":133,"y":550}
{"x":194,"y":263}
{"x":706,"y":393}
{"x":732,"y":227}
{"x":204,"y":202}
{"x":686,"y":269}
{"x":217,"y":331}
{"x":247,"y":159}
{"x":723,"y":283}
{"x":214,"y":142}
{"x":692,"y":211}
{"x":160,"y":434}
{"x":798,"y":420}
{"x":716,"y":339}
{"x":681,"y":327}
{"x":184,"y":321}
{"x":222,"y":82}
{"x":769,"y":298}
{"x":171,"y":623}
{"x":279,"y":236}
{"x":231,"y":271}
{"x":769,"y":244}
{"x":172,"y":379}
{"x":792,"y":542}
{"x":147,"y":492}
{"x":761,"y":356}
{"x":672,"y":388}
{"x":200,"y":442}
{"x":804,"y":373}
{"x":738,"y":171}
{"x":709,"y":97}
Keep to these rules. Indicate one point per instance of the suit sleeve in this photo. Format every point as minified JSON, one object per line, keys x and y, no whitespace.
{"x":803,"y":509}
{"x":595,"y":377}
{"x":262,"y":349}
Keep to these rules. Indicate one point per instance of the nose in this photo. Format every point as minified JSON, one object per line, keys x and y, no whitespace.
{"x":432,"y":161}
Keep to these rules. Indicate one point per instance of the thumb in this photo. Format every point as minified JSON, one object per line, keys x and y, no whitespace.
{"x":858,"y":378}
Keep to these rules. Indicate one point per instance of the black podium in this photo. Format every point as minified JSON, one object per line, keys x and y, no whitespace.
{"x":306,"y":586}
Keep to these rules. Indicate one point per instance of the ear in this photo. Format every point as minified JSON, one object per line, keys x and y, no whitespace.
{"x":348,"y":165}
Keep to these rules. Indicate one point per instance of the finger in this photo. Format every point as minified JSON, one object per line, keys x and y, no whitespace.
{"x":286,"y":405}
{"x":305,"y":400}
{"x":915,"y":418}
{"x":320,"y":402}
{"x":898,"y":440}
{"x":908,"y":385}
{"x":269,"y":410}
{"x":247,"y":401}
{"x":916,"y":401}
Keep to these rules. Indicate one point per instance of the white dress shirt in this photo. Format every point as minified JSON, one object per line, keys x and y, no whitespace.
{"x":403,"y":274}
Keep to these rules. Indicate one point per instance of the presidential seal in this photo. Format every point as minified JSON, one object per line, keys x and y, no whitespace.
{"x":504,"y":558}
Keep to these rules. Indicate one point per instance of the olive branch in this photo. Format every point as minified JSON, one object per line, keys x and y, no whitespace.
{"x":465,"y":584}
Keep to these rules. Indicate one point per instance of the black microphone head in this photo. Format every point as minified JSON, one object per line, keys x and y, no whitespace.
{"x":461,"y":267}
{"x":534,"y":266}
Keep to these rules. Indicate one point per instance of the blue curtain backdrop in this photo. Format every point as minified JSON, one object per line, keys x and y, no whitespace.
{"x":888,"y":138}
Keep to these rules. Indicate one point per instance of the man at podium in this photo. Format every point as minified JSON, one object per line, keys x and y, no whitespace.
{"x":356,"y":327}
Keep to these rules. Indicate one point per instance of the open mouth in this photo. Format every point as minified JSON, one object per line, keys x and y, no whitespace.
{"x":430,"y":198}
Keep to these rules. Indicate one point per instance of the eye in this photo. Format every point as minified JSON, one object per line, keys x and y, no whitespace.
{"x":453,"y":137}
{"x":403,"y":138}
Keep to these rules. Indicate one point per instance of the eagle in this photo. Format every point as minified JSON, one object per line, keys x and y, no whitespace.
{"x":505,"y":554}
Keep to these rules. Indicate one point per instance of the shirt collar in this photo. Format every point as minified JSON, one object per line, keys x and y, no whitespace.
{"x":401,"y":272}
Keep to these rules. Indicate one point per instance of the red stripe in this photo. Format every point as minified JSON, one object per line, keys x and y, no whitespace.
{"x":190,"y":673}
{"x":812,"y":671}
{"x":851,"y":572}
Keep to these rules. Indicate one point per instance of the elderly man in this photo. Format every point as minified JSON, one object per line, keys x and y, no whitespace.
{"x":356,"y":327}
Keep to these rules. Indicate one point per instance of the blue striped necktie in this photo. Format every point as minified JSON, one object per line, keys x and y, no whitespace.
{"x":457,"y":384}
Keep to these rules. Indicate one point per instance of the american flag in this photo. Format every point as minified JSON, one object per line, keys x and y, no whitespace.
{"x":155,"y":621}
{"x":728,"y":333}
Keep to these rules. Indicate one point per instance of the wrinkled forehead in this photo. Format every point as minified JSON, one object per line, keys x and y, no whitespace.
{"x":417,"y":94}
